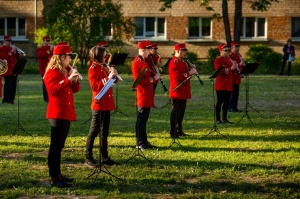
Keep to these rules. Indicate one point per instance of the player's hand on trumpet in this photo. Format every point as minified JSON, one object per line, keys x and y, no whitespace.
{"x":157,"y":76}
{"x":193,"y":71}
{"x":73,"y":76}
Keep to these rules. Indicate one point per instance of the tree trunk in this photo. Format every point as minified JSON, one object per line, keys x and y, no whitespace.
{"x":226,"y":21}
{"x":237,"y":20}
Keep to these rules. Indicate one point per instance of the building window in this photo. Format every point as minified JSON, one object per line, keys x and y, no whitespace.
{"x":12,"y":26}
{"x":149,"y":27}
{"x":199,"y":27}
{"x":295,"y":26}
{"x":253,"y":27}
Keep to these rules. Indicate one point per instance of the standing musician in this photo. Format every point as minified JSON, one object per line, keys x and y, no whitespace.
{"x":98,"y":75}
{"x":44,"y":54}
{"x":104,"y":44}
{"x":61,"y":82}
{"x":144,"y":93}
{"x":224,"y":83}
{"x":178,"y":73}
{"x":10,"y":55}
{"x":156,"y":59}
{"x":236,"y":57}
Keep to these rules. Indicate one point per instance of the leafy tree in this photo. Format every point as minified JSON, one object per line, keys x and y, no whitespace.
{"x":257,"y":5}
{"x":83,"y":23}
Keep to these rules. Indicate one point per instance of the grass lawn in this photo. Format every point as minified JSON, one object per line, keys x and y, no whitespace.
{"x":259,"y":160}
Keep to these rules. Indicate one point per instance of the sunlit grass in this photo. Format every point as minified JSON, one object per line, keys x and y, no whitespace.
{"x":259,"y":160}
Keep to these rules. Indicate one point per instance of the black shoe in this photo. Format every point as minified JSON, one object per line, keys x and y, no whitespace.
{"x":90,"y":162}
{"x":110,"y":162}
{"x":64,"y":178}
{"x":227,"y":121}
{"x":219,"y":122}
{"x":182,"y":134}
{"x":150,"y":145}
{"x":174,"y":136}
{"x":144,"y":147}
{"x":60,"y":183}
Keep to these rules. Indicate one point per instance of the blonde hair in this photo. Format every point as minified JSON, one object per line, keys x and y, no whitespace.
{"x":55,"y":62}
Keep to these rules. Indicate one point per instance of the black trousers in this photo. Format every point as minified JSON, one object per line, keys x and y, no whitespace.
{"x":234,"y":97}
{"x":10,"y":88}
{"x":222,"y":102}
{"x":177,"y":114}
{"x":100,"y":123}
{"x":59,"y":132}
{"x":283,"y":65}
{"x":140,"y":125}
{"x":45,"y":93}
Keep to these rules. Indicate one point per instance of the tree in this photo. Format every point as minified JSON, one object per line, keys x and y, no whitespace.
{"x":257,"y":5}
{"x":83,"y":23}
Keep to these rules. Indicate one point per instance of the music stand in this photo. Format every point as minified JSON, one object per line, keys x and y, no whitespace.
{"x":138,"y":152}
{"x":100,"y":167}
{"x":18,"y":69}
{"x":248,"y":69}
{"x":175,"y":137}
{"x":215,"y":128}
{"x":118,"y":59}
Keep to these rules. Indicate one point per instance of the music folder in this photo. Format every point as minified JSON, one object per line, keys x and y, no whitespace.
{"x":119,"y":59}
{"x":19,"y":66}
{"x":249,"y":68}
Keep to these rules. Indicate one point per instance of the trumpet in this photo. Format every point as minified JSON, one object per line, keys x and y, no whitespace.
{"x":191,"y":65}
{"x":237,"y":67}
{"x":3,"y":67}
{"x":19,"y":50}
{"x":109,"y":68}
{"x":156,"y":71}
{"x":74,"y":66}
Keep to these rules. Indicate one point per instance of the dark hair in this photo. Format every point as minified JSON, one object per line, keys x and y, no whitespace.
{"x":289,"y":40}
{"x":97,"y":54}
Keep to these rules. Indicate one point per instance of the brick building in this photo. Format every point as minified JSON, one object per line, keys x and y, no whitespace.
{"x":185,"y":22}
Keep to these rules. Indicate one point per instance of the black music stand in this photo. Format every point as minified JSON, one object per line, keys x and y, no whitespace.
{"x":118,"y":59}
{"x":100,"y":167}
{"x":18,"y":69}
{"x":215,"y":128}
{"x":138,"y":152}
{"x":248,"y":69}
{"x":175,"y":137}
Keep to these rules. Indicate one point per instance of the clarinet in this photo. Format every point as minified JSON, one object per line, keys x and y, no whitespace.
{"x":238,"y":69}
{"x":157,"y":72}
{"x":191,"y":66}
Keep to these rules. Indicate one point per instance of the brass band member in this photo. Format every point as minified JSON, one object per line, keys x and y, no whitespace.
{"x":236,"y":76}
{"x":98,"y":75}
{"x":44,"y":54}
{"x":61,"y":82}
{"x":10,"y":55}
{"x":144,"y":94}
{"x":179,"y":72}
{"x":224,"y":83}
{"x":156,"y":59}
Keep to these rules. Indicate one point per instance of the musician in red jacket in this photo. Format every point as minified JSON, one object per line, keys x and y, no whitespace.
{"x":144,"y":93}
{"x":224,"y":83}
{"x":44,"y":54}
{"x":178,"y":73}
{"x":61,"y":82}
{"x":98,"y":75}
{"x":10,"y":55}
{"x":236,"y":76}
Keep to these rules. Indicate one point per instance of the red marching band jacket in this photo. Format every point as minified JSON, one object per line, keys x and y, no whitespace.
{"x":44,"y":55}
{"x":98,"y":76}
{"x":178,"y":72}
{"x":235,"y":75}
{"x":224,"y":80}
{"x":60,"y":92}
{"x":11,"y":58}
{"x":145,"y":91}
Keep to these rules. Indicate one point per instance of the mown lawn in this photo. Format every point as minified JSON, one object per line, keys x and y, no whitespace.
{"x":259,"y":160}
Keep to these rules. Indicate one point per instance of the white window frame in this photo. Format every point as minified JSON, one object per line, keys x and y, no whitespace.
{"x":156,"y":37}
{"x":200,"y":29}
{"x":255,"y":28}
{"x":16,"y":36}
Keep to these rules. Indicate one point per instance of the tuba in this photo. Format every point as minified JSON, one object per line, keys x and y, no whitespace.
{"x":3,"y":67}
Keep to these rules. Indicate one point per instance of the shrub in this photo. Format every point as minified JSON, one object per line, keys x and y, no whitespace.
{"x":212,"y":54}
{"x":257,"y":53}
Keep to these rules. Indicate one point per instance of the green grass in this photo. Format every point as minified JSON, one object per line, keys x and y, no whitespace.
{"x":253,"y":161}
